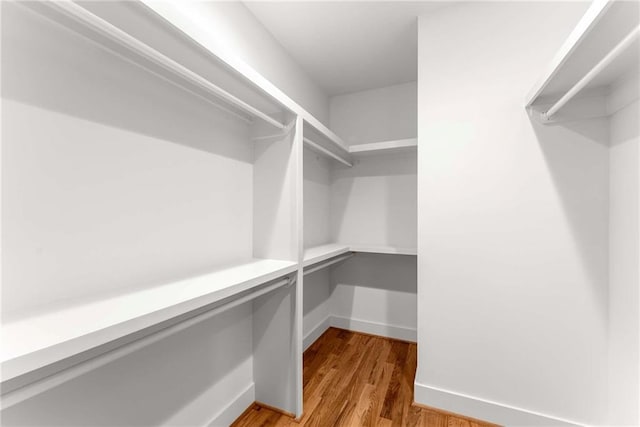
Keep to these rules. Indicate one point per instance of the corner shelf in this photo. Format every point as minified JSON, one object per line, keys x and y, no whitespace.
{"x":41,"y":340}
{"x":316,"y":257}
{"x":385,"y":147}
{"x":321,"y":253}
{"x":390,"y":250}
{"x":602,"y":51}
{"x":322,"y":141}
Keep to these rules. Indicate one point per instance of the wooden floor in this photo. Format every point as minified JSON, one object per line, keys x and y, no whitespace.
{"x":353,"y":379}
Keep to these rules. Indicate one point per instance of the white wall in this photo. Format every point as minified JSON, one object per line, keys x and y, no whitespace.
{"x":513,"y":224}
{"x":318,"y":305}
{"x":624,"y":273}
{"x":375,"y":115}
{"x":374,"y":202}
{"x":376,"y":294}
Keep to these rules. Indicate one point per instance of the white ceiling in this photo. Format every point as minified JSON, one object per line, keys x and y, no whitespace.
{"x":348,"y":46}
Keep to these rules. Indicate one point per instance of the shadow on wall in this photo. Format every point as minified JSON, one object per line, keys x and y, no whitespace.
{"x":151,"y":386}
{"x":576,"y":154}
{"x":374,"y":202}
{"x":316,"y":291}
{"x":49,"y":67}
{"x":386,"y":288}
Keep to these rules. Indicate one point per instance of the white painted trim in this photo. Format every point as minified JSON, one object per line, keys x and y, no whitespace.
{"x":482,"y":409}
{"x":235,"y":408}
{"x":379,"y":329}
{"x":316,"y":332}
{"x":374,"y":328}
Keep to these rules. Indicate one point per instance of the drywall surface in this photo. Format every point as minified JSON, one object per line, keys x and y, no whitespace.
{"x":183,"y":379}
{"x":512,"y":224}
{"x":274,"y":224}
{"x":111,"y":178}
{"x":374,"y":202}
{"x":237,"y":30}
{"x":624,"y":273}
{"x":376,"y":294}
{"x":317,"y":185}
{"x":383,"y":114}
{"x":317,"y":303}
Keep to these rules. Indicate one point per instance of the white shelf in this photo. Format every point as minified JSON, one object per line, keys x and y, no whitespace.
{"x":322,"y":141}
{"x":385,"y":147}
{"x":385,"y":250}
{"x":318,"y":254}
{"x":594,"y":57}
{"x":322,"y":253}
{"x":41,"y":340}
{"x":134,"y":32}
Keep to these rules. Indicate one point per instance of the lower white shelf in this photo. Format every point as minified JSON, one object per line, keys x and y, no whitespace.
{"x":318,"y":254}
{"x":38,"y":341}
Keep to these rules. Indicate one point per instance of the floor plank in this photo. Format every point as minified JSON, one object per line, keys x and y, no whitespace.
{"x":352,"y":379}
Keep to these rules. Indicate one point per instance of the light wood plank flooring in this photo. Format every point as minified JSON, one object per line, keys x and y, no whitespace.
{"x":353,"y":379}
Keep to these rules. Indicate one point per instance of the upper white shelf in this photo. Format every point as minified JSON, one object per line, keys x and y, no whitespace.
{"x":602,"y":49}
{"x":321,"y":140}
{"x":35,"y":342}
{"x":132,"y":31}
{"x":185,"y":18}
{"x":384,"y":147}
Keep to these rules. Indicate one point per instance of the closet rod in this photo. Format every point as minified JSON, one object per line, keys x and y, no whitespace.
{"x":328,"y":263}
{"x":20,"y":393}
{"x":115,"y":34}
{"x":604,"y":62}
{"x":326,"y":152}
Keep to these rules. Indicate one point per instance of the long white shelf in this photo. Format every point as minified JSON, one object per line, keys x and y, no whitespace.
{"x":143,"y":39}
{"x":601,"y":51}
{"x":38,"y":341}
{"x":391,"y":250}
{"x":318,"y":254}
{"x":321,"y":253}
{"x":383,"y":147}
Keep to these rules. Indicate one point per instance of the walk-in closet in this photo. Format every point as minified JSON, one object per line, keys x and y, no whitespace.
{"x":368,"y":213}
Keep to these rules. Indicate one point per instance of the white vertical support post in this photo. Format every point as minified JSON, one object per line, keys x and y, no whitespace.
{"x":298,"y":150}
{"x":276,"y":316}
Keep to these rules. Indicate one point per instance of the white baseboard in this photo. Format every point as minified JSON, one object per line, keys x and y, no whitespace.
{"x":315,"y":333}
{"x":483,"y":409}
{"x":390,"y":331}
{"x":235,"y":408}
